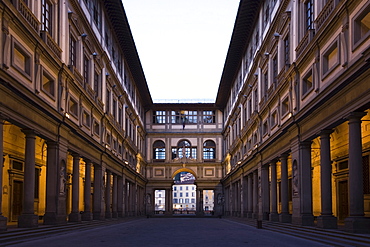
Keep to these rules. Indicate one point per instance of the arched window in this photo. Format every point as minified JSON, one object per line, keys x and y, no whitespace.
{"x":184,"y":149}
{"x":159,"y":150}
{"x":209,"y":150}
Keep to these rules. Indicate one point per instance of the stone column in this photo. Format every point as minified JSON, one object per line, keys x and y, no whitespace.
{"x":326,"y":219}
{"x":284,"y":217}
{"x":28,"y":217}
{"x":200,"y":211}
{"x":120,"y":196}
{"x":250,"y":195}
{"x":108,"y":209}
{"x":168,"y":201}
{"x":265,"y":192}
{"x":114,"y":197}
{"x":244,"y":193}
{"x":75,"y":215}
{"x":98,"y":183}
{"x":255,"y":194}
{"x":52,"y":180}
{"x":3,"y":220}
{"x":306,"y":216}
{"x":356,"y":222}
{"x":273,"y":214}
{"x":87,"y":215}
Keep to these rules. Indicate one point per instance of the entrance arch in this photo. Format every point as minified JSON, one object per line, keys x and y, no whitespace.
{"x":184,"y":170}
{"x":184,"y":192}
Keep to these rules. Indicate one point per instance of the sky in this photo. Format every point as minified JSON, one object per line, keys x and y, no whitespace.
{"x":182,"y":45}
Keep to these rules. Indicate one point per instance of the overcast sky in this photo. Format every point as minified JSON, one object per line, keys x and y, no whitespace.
{"x":182,"y":44}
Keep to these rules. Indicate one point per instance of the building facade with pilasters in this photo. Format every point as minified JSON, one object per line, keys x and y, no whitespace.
{"x":296,"y":113}
{"x":72,"y":107}
{"x":287,"y":139}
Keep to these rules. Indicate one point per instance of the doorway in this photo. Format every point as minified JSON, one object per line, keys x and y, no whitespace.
{"x":343,"y":200}
{"x":184,"y":194}
{"x":17,"y":199}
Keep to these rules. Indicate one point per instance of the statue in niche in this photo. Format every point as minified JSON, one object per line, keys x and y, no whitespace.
{"x":295,"y":178}
{"x":62,"y":180}
{"x":220,"y":199}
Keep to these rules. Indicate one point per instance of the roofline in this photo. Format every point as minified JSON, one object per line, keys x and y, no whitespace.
{"x":118,"y":20}
{"x":245,"y":21}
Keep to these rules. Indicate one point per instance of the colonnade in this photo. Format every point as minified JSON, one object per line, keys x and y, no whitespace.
{"x":103,"y":195}
{"x":259,"y":186}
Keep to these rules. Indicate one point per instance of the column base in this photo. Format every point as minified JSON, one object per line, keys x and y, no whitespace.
{"x":3,"y":223}
{"x":327,"y":222}
{"x":265,"y":215}
{"x":54,"y":219}
{"x":285,"y":218}
{"x":274,"y":217}
{"x":108,"y":215}
{"x":28,"y":221}
{"x":74,"y":217}
{"x":98,"y":216}
{"x":357,"y":224}
{"x":304,"y":220}
{"x":86,"y":216}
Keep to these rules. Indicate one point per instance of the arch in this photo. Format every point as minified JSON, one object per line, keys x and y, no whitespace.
{"x":184,"y":170}
{"x":159,"y":150}
{"x":209,"y":150}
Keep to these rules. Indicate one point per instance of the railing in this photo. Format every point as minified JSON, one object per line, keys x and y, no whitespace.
{"x":324,"y":14}
{"x":27,"y":14}
{"x":305,"y":41}
{"x":51,"y":43}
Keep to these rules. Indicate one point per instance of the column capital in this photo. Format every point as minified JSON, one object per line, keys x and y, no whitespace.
{"x":30,"y":133}
{"x":75,"y":155}
{"x":325,"y":132}
{"x":305,"y":144}
{"x":284,"y":156}
{"x":355,"y":115}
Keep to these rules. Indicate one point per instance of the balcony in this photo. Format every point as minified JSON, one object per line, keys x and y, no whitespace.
{"x":51,"y":43}
{"x":305,"y":41}
{"x":27,"y":14}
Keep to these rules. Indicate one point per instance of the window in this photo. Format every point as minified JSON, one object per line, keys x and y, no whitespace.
{"x":159,"y":117}
{"x":114,"y":108}
{"x":309,"y":14}
{"x":72,"y":51}
{"x":108,"y":101}
{"x":182,"y":117}
{"x":209,"y":150}
{"x":21,"y":59}
{"x":96,"y":127}
{"x":361,"y":26}
{"x":97,"y":81}
{"x":274,"y":69}
{"x":184,"y":149}
{"x":86,"y":71}
{"x":159,"y":150}
{"x":330,"y":58}
{"x":175,"y":194}
{"x":180,"y":194}
{"x":187,"y":194}
{"x":307,"y":83}
{"x":285,"y":106}
{"x":48,"y":84}
{"x":46,"y":17}
{"x":274,"y":119}
{"x":209,"y":117}
{"x":96,"y":13}
{"x":287,"y":50}
{"x":265,"y":82}
{"x":265,"y":128}
{"x":73,"y":107}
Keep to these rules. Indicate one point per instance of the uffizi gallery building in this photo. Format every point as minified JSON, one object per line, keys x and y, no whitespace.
{"x":287,"y":138}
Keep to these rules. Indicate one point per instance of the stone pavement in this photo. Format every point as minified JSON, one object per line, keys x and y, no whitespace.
{"x":171,"y":232}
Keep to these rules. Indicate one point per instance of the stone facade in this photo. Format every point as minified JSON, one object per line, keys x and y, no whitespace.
{"x":288,"y":138}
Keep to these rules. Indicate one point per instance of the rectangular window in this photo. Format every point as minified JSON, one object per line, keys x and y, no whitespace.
{"x":274,"y":69}
{"x":86,"y":70}
{"x":73,"y":107}
{"x":330,"y":58}
{"x":48,"y":84}
{"x":46,"y":17}
{"x":86,"y":119}
{"x":209,"y":117}
{"x":307,"y":83}
{"x":361,"y":26}
{"x":159,"y":117}
{"x":108,"y":102}
{"x":21,"y":60}
{"x":96,"y":13}
{"x":96,"y":83}
{"x":309,"y":14}
{"x":96,"y":127}
{"x":285,"y":106}
{"x":287,"y":50}
{"x":265,"y":82}
{"x":72,"y":51}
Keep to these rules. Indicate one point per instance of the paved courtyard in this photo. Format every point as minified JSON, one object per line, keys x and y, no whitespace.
{"x":172,"y":232}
